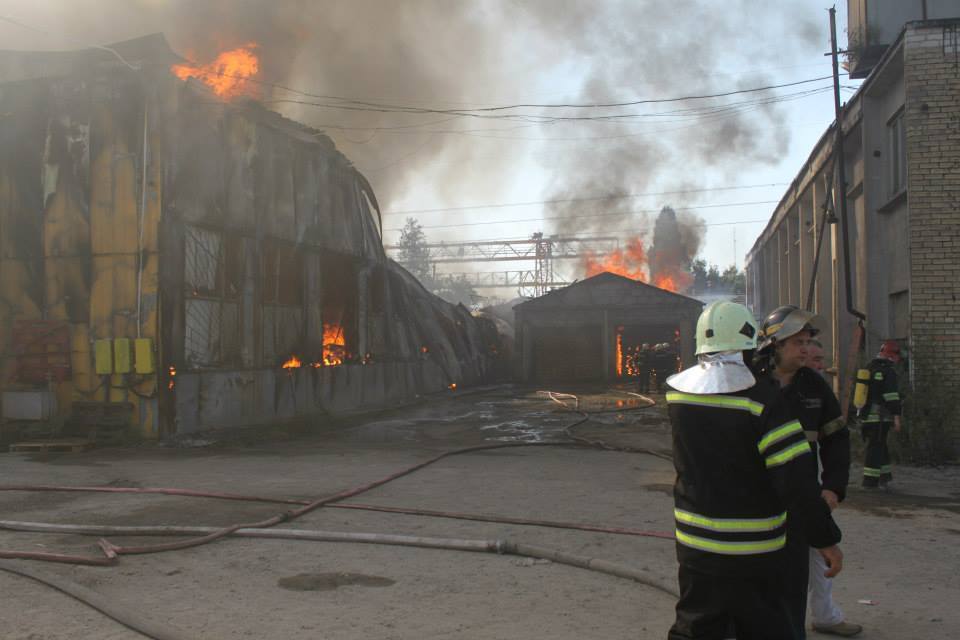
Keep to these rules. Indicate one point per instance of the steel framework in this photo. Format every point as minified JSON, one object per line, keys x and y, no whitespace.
{"x":537,"y":248}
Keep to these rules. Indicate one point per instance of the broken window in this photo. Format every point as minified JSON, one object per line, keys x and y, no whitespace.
{"x":213,"y":275}
{"x":282,"y":286}
{"x":339,"y":308}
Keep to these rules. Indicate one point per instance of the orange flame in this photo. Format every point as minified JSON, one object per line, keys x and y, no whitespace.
{"x":619,"y":354}
{"x":674,"y":280}
{"x":452,"y":386}
{"x":173,"y":378}
{"x":228,"y":75}
{"x":630,"y":262}
{"x":334,"y":345}
{"x":293,"y":363}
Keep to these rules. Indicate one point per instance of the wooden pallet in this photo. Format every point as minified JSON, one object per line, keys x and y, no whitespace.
{"x":62,"y":445}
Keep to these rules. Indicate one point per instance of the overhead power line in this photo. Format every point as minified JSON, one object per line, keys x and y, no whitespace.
{"x":501,"y":205}
{"x":604,"y":215}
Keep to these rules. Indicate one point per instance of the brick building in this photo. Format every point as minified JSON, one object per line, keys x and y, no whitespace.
{"x":901,"y":143}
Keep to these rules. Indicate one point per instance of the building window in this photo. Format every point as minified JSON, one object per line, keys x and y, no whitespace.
{"x":213,"y":275}
{"x":282,"y":295}
{"x":897,"y":142}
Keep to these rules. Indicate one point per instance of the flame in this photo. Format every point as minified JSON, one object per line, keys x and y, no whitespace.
{"x":452,"y":386}
{"x":619,"y":354}
{"x":673,"y":280}
{"x":228,"y":75}
{"x":630,"y":262}
{"x":334,"y":345}
{"x":293,"y":363}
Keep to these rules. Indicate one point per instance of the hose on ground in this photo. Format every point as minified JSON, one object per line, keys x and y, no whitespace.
{"x":492,"y":546}
{"x":124,"y":613}
{"x":112,"y":551}
{"x":558,"y":397}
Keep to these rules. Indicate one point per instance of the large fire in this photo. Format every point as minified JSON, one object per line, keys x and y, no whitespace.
{"x":334,"y":345}
{"x":228,"y":75}
{"x":630,"y":262}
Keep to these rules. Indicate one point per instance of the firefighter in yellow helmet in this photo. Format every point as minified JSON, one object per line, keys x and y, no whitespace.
{"x":783,"y":354}
{"x":880,"y":414}
{"x":743,"y":464}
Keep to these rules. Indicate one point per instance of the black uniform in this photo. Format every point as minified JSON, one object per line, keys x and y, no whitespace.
{"x":664,"y":363}
{"x":811,"y":399}
{"x":643,"y":369}
{"x":883,"y":403}
{"x":742,"y":464}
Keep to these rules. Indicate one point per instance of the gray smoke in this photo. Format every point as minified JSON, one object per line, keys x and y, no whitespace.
{"x":452,"y":54}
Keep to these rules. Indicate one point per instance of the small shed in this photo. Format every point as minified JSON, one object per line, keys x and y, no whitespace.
{"x":587,"y":331}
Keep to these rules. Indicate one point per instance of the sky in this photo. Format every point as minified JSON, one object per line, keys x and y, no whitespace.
{"x":406,"y":85}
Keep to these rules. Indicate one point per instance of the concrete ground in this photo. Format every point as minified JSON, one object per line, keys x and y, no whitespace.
{"x":902,"y":550}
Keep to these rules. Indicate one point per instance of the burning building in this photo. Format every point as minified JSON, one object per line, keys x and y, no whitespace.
{"x":180,"y":256}
{"x":587,"y":331}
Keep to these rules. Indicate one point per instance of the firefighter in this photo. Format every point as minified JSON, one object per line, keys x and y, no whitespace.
{"x":663,"y":364}
{"x":643,"y":368}
{"x":784,"y":351}
{"x":742,"y":463}
{"x":881,"y":412}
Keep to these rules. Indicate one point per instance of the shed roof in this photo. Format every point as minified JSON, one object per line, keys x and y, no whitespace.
{"x":608,"y":290}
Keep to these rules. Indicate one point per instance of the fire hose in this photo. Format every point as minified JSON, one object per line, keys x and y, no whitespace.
{"x":111,"y":552}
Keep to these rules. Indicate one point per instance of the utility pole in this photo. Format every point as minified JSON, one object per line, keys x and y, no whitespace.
{"x":735,"y":249}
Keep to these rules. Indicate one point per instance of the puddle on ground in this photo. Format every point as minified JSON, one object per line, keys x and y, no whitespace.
{"x":331,"y":581}
{"x":522,"y":431}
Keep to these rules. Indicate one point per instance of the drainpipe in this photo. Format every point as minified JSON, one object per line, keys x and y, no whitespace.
{"x":841,"y":171}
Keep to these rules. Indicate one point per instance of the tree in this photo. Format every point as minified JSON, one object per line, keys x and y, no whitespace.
{"x":699,"y":270}
{"x":709,"y":278}
{"x":456,"y":290}
{"x":414,"y":253}
{"x":734,"y":280}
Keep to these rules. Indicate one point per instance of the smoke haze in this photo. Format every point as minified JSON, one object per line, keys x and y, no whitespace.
{"x":456,"y":54}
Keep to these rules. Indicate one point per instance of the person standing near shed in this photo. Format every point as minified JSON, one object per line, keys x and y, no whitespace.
{"x":881,"y":413}
{"x":744,"y":470}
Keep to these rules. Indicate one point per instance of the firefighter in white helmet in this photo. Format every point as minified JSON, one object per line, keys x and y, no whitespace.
{"x":742,"y":465}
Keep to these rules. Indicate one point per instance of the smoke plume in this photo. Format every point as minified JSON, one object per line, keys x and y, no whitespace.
{"x":452,"y":55}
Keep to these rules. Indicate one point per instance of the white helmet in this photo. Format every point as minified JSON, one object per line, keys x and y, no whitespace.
{"x":726,"y":326}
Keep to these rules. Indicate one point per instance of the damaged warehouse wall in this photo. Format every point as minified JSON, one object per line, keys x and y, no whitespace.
{"x":242,"y":245}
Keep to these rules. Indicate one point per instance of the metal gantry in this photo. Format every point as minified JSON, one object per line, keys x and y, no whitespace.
{"x":540,"y":249}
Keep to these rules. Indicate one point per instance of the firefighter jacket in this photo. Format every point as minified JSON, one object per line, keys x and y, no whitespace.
{"x":883,"y":397}
{"x":811,"y":399}
{"x":743,"y":468}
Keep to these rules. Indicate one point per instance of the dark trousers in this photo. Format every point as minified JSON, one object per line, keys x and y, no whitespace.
{"x":643,"y":385}
{"x":748,"y":608}
{"x":876,"y":463}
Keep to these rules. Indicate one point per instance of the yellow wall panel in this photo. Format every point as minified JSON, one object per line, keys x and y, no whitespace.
{"x":103,"y":357}
{"x":143,"y":358}
{"x":122,"y":356}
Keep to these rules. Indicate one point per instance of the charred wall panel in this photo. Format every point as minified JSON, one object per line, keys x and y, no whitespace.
{"x":568,"y":354}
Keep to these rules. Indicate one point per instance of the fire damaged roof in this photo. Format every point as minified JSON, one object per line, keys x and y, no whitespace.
{"x":608,"y":290}
{"x":146,"y":52}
